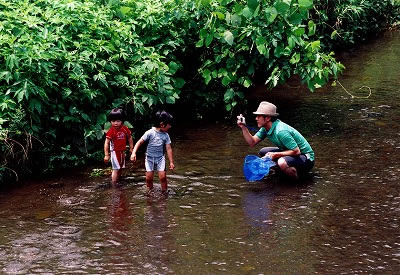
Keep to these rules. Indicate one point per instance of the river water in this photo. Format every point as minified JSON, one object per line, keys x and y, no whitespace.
{"x":343,"y":219}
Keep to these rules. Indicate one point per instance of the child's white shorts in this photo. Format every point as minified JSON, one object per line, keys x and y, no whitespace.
{"x":155,"y":163}
{"x":117,"y":159}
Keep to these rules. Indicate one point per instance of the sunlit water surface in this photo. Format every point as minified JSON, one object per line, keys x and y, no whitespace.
{"x":342,"y":219}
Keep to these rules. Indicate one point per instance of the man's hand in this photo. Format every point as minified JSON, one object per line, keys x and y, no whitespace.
{"x":271,"y":155}
{"x":241,"y":121}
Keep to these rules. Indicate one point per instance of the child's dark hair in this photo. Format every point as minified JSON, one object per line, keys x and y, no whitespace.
{"x":116,"y":114}
{"x":162,"y":117}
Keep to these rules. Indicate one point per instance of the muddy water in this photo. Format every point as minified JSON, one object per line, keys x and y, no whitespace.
{"x":343,"y":219}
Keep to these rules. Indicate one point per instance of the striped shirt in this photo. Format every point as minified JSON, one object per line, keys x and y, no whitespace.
{"x":156,"y":142}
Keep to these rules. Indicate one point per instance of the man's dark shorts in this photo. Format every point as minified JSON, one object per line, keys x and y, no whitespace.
{"x":301,"y":162}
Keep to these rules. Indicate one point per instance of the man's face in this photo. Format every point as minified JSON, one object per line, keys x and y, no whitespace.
{"x":261,"y":120}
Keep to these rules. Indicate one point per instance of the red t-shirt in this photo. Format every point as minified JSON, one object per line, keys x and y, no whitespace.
{"x":118,"y":138}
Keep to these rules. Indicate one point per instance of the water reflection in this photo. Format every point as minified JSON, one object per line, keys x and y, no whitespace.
{"x":256,"y":206}
{"x":156,"y":235}
{"x":121,"y":218}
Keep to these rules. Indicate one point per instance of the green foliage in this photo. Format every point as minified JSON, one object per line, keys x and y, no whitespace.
{"x":345,"y":23}
{"x":275,"y":39}
{"x":65,"y":64}
{"x":98,"y":172}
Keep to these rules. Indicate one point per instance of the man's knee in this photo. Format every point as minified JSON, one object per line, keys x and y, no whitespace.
{"x":282,"y":164}
{"x":265,"y":150}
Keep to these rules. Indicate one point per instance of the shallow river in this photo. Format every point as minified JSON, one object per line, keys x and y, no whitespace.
{"x":343,"y":219}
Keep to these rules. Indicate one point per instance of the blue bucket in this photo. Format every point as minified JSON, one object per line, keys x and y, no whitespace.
{"x":256,"y":168}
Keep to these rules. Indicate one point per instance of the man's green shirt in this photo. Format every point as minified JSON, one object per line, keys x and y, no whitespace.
{"x":286,"y":138}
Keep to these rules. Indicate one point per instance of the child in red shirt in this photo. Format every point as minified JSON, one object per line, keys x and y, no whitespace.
{"x":115,"y":144}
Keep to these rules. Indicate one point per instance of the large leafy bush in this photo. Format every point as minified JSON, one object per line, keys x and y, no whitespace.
{"x":274,"y":39}
{"x":66,"y":63}
{"x":346,"y":23}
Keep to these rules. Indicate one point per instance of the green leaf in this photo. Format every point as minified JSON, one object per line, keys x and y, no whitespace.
{"x":199,"y":43}
{"x":228,"y":37}
{"x":220,"y":15}
{"x":70,"y":118}
{"x":247,"y":13}
{"x":278,"y":51}
{"x":247,"y":83}
{"x":229,"y":94}
{"x":315,"y":45}
{"x":101,"y":119}
{"x":170,"y":99}
{"x":238,"y":7}
{"x":299,"y":31}
{"x":125,"y":10}
{"x":311,"y":28}
{"x":35,"y":104}
{"x":6,"y":75}
{"x":308,"y":4}
{"x":85,"y":117}
{"x":296,"y":19}
{"x":261,"y":45}
{"x":291,"y":42}
{"x":11,"y":61}
{"x":236,"y":20}
{"x":150,"y":101}
{"x":209,"y":39}
{"x":222,"y":72}
{"x":203,"y":33}
{"x":173,"y":67}
{"x":271,"y":13}
{"x":282,"y":7}
{"x":179,"y":82}
{"x":295,"y":58}
{"x":205,"y":2}
{"x":252,"y":4}
{"x":207,"y":75}
{"x":226,"y":80}
{"x":262,"y":49}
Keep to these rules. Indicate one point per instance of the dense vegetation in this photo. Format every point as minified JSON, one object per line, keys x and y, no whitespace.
{"x":66,"y":63}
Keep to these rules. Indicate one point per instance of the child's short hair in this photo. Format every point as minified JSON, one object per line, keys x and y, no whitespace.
{"x":164,"y":117}
{"x":116,"y":114}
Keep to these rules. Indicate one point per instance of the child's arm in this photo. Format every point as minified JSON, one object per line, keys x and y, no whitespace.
{"x":170,"y":156}
{"x":107,"y":150}
{"x":130,"y":144}
{"x":137,"y":145}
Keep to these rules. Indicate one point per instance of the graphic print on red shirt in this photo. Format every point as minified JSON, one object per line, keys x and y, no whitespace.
{"x":118,"y":138}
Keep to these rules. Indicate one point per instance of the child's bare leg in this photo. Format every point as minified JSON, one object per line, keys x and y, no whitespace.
{"x":163,"y":180}
{"x":149,"y":180}
{"x":115,"y":176}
